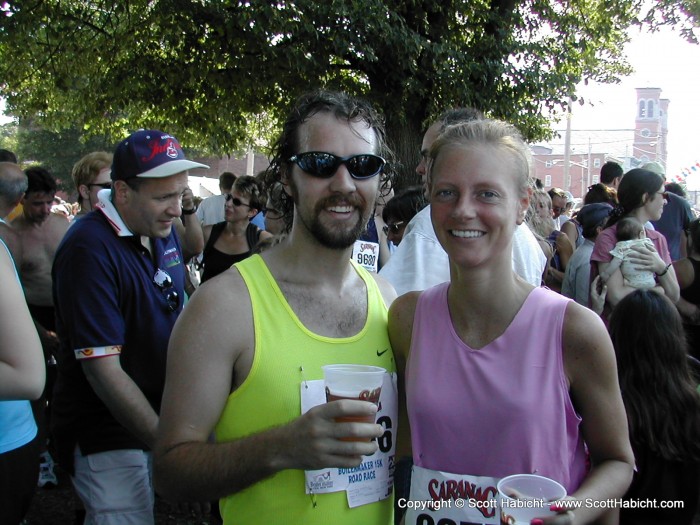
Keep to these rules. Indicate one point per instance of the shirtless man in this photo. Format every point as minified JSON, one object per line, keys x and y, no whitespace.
{"x":39,"y":233}
{"x":246,"y":354}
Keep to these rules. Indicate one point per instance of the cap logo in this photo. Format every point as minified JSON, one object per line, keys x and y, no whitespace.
{"x":171,"y":152}
{"x":168,"y":148}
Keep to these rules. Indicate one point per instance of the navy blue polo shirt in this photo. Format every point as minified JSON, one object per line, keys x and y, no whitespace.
{"x":108,"y":303}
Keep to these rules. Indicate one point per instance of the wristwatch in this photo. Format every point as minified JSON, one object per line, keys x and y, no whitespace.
{"x":189,"y":212}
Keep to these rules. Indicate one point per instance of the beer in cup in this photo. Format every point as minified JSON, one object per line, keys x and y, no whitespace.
{"x":359,"y":382}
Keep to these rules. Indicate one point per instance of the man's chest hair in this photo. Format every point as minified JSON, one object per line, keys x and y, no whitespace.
{"x":328,"y":312}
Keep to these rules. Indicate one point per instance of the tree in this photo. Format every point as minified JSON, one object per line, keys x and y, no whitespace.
{"x":8,"y":136}
{"x":57,"y":151}
{"x":203,"y":69}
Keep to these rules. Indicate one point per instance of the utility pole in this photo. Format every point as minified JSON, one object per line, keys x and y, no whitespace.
{"x":567,"y":148}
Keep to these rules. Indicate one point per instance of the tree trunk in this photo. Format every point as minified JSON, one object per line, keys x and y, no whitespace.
{"x":405,"y":140}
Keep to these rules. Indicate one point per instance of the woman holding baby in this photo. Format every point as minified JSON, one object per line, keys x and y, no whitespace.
{"x":641,"y":197}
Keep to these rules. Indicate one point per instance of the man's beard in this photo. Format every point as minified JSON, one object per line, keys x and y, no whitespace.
{"x":335,"y":239}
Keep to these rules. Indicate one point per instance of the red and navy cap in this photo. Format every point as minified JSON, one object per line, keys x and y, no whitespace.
{"x":151,"y":154}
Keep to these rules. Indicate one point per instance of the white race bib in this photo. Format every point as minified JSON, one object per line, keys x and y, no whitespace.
{"x":366,"y":254}
{"x":451,"y":499}
{"x":373,"y":480}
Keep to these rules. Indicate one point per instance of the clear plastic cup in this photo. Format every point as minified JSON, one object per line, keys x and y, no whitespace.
{"x":523,"y":497}
{"x":359,"y":382}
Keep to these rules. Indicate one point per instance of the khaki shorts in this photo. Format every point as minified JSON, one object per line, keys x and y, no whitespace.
{"x":115,"y":487}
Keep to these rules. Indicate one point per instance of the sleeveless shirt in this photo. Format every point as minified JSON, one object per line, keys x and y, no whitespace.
{"x":287,"y":353}
{"x":214,"y":261}
{"x":501,"y":410}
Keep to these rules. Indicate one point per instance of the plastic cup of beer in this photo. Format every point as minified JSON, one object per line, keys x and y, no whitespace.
{"x":523,"y":497}
{"x":359,"y":382}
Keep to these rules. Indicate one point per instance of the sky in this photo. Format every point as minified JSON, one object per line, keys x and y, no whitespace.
{"x":663,"y":60}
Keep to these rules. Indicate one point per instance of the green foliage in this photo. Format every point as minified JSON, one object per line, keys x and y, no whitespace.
{"x":214,"y":72}
{"x":8,"y":136}
{"x":684,"y":15}
{"x":57,"y":151}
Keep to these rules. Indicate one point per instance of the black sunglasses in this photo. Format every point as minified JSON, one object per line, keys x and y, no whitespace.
{"x":394,"y":228}
{"x":163,"y":281}
{"x":103,"y":185}
{"x":236,"y":201}
{"x":324,"y":165}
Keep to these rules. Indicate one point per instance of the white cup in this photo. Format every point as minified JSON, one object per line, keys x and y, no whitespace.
{"x":523,"y":497}
{"x":361,"y":382}
{"x":358,"y":382}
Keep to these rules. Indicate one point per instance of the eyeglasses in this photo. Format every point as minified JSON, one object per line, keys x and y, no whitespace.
{"x":103,"y":185}
{"x":324,"y":165}
{"x":236,"y":201}
{"x":394,"y":228}
{"x":163,"y":281}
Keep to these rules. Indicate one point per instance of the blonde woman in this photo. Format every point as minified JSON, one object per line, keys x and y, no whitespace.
{"x":502,"y":377}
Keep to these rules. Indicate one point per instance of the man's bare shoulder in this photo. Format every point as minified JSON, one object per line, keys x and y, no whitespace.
{"x":218,"y":320}
{"x":18,"y":223}
{"x":224,"y":298}
{"x":224,"y":287}
{"x":58,"y":224}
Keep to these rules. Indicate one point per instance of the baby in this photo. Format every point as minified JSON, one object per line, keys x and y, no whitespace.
{"x":630,"y":234}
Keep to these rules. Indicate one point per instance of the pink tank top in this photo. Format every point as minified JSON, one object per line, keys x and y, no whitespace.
{"x":504,"y":409}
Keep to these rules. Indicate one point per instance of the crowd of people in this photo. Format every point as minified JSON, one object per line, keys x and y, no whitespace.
{"x":157,"y":345}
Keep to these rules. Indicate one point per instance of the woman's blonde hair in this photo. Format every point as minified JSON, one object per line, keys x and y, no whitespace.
{"x":488,"y":132}
{"x":542,"y":226}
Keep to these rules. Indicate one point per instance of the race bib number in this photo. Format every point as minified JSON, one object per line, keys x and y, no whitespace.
{"x":441,"y":498}
{"x":373,"y":480}
{"x":366,"y":254}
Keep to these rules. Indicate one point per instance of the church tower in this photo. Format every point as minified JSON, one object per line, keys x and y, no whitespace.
{"x":650,"y":127}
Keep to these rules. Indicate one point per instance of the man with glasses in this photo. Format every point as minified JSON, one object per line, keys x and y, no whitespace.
{"x":245,"y":358}
{"x":119,"y":286}
{"x":90,"y":175}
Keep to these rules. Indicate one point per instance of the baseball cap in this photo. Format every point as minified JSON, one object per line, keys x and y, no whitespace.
{"x":591,"y":215}
{"x":150,"y":154}
{"x":655,"y":167}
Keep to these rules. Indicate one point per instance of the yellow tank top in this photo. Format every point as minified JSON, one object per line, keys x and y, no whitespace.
{"x":286,"y":353}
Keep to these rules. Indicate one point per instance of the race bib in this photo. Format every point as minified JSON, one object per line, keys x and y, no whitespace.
{"x":366,"y":254}
{"x":451,"y":499}
{"x":373,"y":480}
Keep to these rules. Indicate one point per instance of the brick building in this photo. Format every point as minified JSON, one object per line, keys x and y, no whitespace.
{"x":590,"y":149}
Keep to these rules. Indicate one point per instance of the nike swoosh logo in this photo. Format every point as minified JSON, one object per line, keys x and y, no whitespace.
{"x":380,"y":354}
